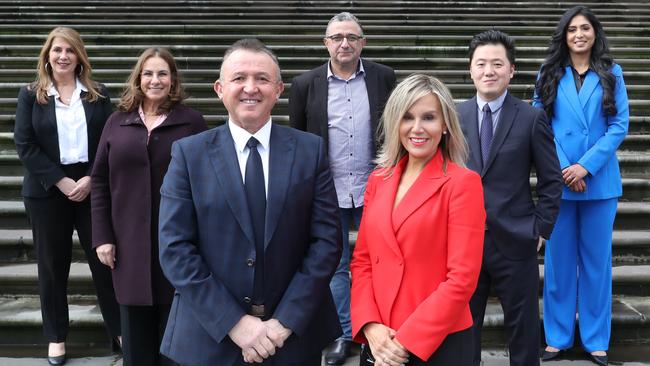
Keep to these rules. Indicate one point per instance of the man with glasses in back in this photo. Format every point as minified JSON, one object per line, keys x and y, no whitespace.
{"x":342,"y":102}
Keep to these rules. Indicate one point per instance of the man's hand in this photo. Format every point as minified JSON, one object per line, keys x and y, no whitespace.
{"x":250,"y":334}
{"x":383,"y":345}
{"x":277,"y":332}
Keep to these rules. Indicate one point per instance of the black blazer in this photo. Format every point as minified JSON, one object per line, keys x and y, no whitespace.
{"x":308,"y":100}
{"x":523,"y":139}
{"x":37,"y":141}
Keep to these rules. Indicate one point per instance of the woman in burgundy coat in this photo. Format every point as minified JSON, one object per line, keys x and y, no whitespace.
{"x":131,"y":161}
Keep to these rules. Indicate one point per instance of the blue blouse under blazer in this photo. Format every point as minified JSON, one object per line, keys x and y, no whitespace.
{"x":585,"y":135}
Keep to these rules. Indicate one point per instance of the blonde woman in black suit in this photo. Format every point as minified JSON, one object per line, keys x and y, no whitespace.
{"x":59,"y":119}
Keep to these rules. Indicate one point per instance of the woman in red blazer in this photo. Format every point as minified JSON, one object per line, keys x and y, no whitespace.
{"x":420,"y":243}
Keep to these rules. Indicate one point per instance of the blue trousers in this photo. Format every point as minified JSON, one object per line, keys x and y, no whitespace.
{"x":340,"y":284}
{"x":578,"y":274}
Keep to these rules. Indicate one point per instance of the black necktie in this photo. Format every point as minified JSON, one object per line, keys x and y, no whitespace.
{"x":256,"y":198}
{"x":486,"y":133}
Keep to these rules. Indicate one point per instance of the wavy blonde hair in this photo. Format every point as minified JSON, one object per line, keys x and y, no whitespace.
{"x":402,"y":98}
{"x":83,"y":70}
{"x":132,"y":95}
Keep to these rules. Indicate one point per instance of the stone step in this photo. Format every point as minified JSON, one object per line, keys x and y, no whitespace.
{"x":21,"y":322}
{"x":629,"y":247}
{"x":432,"y":62}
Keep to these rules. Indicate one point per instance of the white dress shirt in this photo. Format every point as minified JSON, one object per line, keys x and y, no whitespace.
{"x":241,"y":137}
{"x":71,"y":126}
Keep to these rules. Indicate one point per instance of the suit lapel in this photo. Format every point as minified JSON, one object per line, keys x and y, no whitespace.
{"x":568,"y":87}
{"x":587,"y":89}
{"x":321,"y":90}
{"x":88,"y":107}
{"x":431,"y":179}
{"x":385,"y":197}
{"x":222,"y":155}
{"x":281,"y":160}
{"x":506,"y":119}
{"x":472,"y":135}
{"x":372,"y":83}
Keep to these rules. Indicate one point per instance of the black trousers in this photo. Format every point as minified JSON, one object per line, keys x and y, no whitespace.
{"x":143,"y":328}
{"x":516,"y":284}
{"x":53,"y":220}
{"x":455,"y":350}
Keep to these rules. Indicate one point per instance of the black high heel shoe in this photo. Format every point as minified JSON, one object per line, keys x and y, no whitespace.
{"x":550,"y":355}
{"x":56,"y":360}
{"x":599,"y":360}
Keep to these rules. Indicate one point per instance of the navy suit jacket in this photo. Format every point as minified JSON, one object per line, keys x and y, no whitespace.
{"x":523,"y":140}
{"x":206,"y":241}
{"x":308,"y":100}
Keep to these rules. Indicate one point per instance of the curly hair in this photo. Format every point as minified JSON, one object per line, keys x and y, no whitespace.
{"x":557,"y":57}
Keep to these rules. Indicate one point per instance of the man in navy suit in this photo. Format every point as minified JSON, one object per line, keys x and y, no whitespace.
{"x":342,"y":101}
{"x":249,"y":230}
{"x":507,"y":138}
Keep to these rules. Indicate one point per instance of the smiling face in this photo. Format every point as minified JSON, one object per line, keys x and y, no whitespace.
{"x":421,"y":128}
{"x":62,"y":58}
{"x":344,"y":54}
{"x":249,"y":86}
{"x":155,"y":80}
{"x":491,"y":71}
{"x":580,"y":35}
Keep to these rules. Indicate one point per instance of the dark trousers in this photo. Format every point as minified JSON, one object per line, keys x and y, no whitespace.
{"x":142,"y":331}
{"x":278,"y":360}
{"x":516,"y":285}
{"x":455,"y":350}
{"x":53,"y":220}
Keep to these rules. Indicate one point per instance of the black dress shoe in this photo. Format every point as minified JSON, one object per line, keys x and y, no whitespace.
{"x":599,"y":360}
{"x":550,"y":355}
{"x":56,"y":360}
{"x":339,"y":353}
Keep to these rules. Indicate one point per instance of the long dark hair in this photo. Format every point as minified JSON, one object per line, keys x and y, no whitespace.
{"x":558,"y":53}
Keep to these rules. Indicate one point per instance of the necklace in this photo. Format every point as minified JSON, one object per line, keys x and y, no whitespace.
{"x":152,"y":114}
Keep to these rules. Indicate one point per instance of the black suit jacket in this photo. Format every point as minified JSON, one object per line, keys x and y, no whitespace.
{"x":308,"y":100}
{"x":523,"y":140}
{"x":37,"y":139}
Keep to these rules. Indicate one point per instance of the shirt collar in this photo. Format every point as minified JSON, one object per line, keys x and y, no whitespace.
{"x":360,"y":71}
{"x":241,"y":136}
{"x":495,"y":104}
{"x":51,"y":91}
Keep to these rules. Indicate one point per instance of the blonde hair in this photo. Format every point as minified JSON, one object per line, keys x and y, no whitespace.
{"x":83,"y":70}
{"x":405,"y":94}
{"x":132,"y":95}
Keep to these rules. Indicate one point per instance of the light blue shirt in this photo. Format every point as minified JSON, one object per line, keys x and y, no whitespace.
{"x":495,"y":107}
{"x":350,"y":136}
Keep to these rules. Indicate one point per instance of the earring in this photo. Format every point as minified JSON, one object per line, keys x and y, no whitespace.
{"x":48,"y":66}
{"x":81,"y":69}
{"x":444,"y":132}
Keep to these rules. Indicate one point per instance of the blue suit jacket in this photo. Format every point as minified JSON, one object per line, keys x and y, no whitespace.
{"x":584,"y":135}
{"x":206,"y":240}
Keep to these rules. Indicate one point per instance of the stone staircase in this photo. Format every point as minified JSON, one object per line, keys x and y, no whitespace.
{"x":410,"y":36}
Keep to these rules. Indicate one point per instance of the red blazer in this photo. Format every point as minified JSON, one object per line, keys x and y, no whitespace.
{"x":415,"y":268}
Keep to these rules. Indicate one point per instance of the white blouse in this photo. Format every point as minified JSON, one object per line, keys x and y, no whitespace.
{"x":71,"y":126}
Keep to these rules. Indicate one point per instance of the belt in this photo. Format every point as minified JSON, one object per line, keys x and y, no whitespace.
{"x":257,"y":311}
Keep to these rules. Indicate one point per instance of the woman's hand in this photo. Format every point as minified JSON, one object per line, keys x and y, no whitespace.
{"x":384,"y":347}
{"x":81,"y":190}
{"x":579,"y":186}
{"x":106,"y":254}
{"x":66,"y":185}
{"x":573,"y":174}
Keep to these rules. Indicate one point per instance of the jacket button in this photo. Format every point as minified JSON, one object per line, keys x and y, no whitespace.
{"x":247,"y":300}
{"x":250,"y":262}
{"x":584,"y":132}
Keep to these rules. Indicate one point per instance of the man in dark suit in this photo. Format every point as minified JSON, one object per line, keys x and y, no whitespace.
{"x":507,"y":138}
{"x":249,"y":230}
{"x":342,"y":102}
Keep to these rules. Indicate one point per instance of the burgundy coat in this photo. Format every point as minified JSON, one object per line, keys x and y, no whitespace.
{"x":125,"y":199}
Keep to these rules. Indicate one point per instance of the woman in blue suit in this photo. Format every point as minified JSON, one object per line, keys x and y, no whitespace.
{"x":583,"y":93}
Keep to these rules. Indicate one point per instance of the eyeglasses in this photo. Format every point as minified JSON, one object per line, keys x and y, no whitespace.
{"x":338,"y":38}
